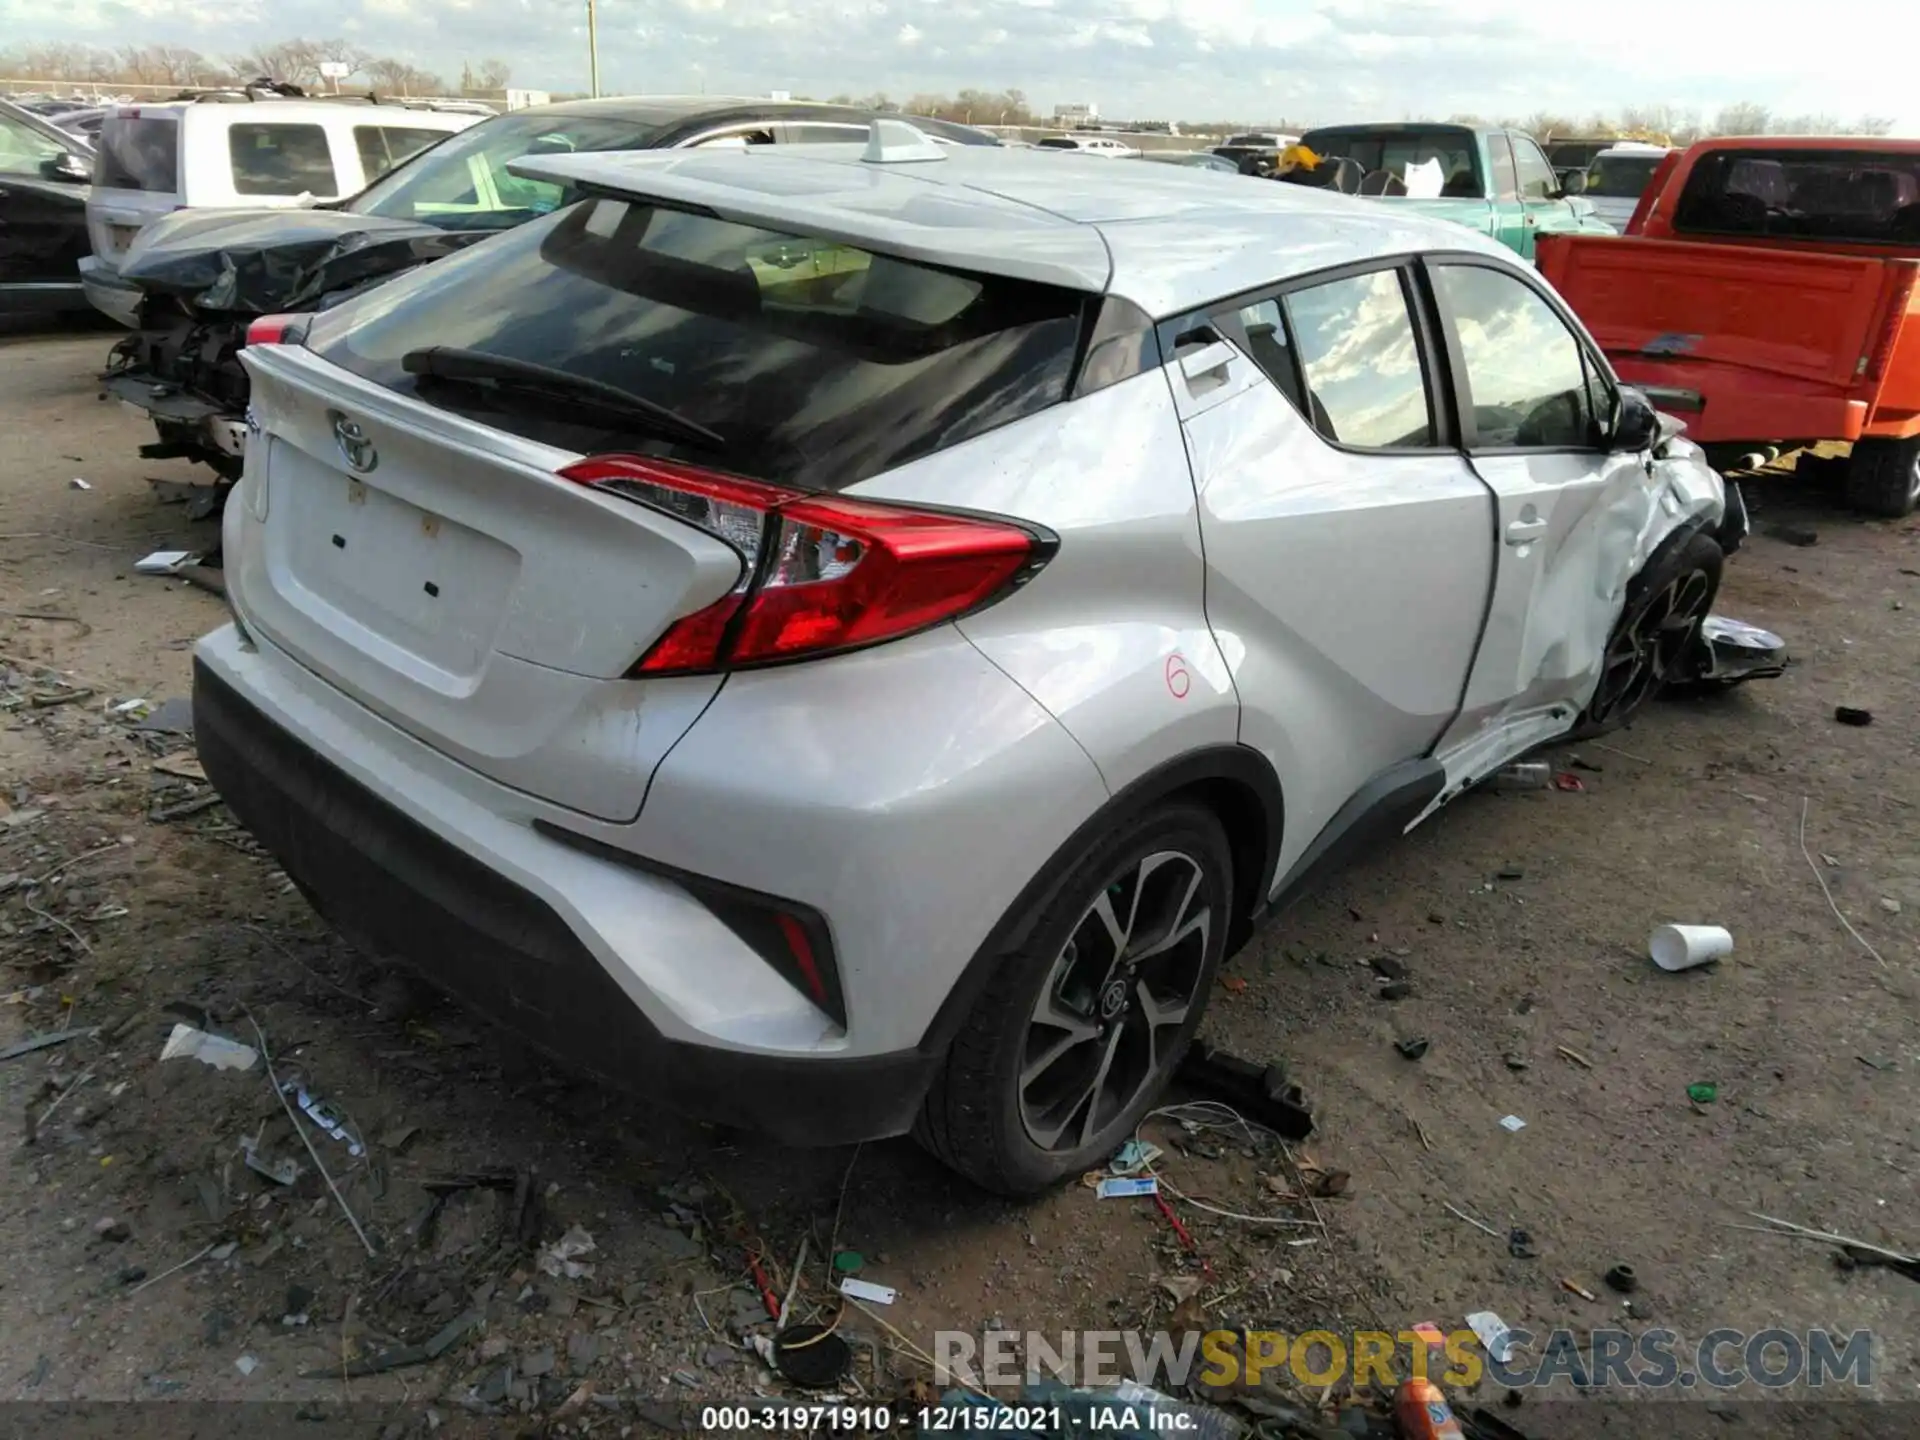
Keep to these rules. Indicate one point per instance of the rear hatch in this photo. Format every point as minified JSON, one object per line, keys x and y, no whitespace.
{"x":403,"y":531}
{"x":136,"y":176}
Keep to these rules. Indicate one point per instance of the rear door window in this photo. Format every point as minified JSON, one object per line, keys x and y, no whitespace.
{"x":282,"y":159}
{"x":816,"y":363}
{"x":138,"y":153}
{"x":382,"y":147}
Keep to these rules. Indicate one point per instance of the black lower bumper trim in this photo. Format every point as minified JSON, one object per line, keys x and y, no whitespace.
{"x":400,"y":892}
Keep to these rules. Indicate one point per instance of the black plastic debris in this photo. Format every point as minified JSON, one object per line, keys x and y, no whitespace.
{"x":1520,"y":1245}
{"x":811,"y":1356}
{"x":1622,"y":1280}
{"x":1414,"y":1048}
{"x":1261,"y":1093}
{"x":1849,"y":715}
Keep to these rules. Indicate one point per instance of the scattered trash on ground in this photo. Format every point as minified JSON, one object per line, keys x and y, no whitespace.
{"x":1622,"y":1279}
{"x":1124,"y":1188}
{"x":1493,"y":1333}
{"x":1262,"y":1093}
{"x":1682,"y":947}
{"x":1852,"y":715}
{"x":1571,"y":783}
{"x":1513,"y":1124}
{"x":164,"y":562}
{"x":1421,"y":1412}
{"x":1792,"y":535}
{"x":562,"y":1258}
{"x":185,"y":1042}
{"x":1414,"y":1047}
{"x":1477,"y":1224}
{"x":1860,"y":1253}
{"x":1523,"y":775}
{"x":1703,"y":1093}
{"x":1133,"y":1157}
{"x":1574,"y":1287}
{"x":812,"y":1356}
{"x":77,"y":483}
{"x":173,"y":716}
{"x":1520,"y":1245}
{"x":41,"y":1042}
{"x":857,"y":1289}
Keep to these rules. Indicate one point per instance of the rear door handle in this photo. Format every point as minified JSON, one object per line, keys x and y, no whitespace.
{"x":1208,"y":360}
{"x":1525,"y":532}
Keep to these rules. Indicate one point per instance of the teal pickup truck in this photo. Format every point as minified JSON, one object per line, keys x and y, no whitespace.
{"x":1495,"y":181}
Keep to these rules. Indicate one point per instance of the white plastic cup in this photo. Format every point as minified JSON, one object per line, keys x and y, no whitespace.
{"x":1681,"y":947}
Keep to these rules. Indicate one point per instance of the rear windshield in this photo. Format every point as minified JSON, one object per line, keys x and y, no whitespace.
{"x":1058,"y":142}
{"x":464,"y":185}
{"x":138,"y":154}
{"x":281,"y":159}
{"x":1429,"y":163}
{"x":1861,"y":196}
{"x":1621,"y":177}
{"x":382,"y":147}
{"x":817,"y":364}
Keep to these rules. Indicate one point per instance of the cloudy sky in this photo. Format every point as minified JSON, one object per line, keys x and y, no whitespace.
{"x":1304,"y":60}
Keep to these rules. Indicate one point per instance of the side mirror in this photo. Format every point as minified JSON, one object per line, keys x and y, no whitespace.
{"x":1636,"y":424}
{"x":1574,"y":182}
{"x":68,"y":167}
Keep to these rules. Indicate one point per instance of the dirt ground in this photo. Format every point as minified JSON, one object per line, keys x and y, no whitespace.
{"x":1521,"y":919}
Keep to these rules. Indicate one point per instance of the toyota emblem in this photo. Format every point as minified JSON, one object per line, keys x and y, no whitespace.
{"x":355,"y":448}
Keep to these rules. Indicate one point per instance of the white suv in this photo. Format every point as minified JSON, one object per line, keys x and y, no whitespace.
{"x":847,"y":641}
{"x":151,"y":160}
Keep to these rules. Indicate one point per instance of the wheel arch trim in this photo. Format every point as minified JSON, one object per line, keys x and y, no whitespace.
{"x":1236,"y":781}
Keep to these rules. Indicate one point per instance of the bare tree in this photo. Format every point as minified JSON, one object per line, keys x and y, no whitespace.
{"x":1746,"y":118}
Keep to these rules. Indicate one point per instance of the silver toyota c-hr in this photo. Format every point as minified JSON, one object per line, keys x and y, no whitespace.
{"x":845,"y":640}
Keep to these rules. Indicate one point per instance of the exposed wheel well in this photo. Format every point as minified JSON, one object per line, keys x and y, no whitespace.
{"x":1244,"y":817}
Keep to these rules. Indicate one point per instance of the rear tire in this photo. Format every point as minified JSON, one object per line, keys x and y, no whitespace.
{"x":1883,"y":477}
{"x":1653,"y":642}
{"x":1080,"y":1028}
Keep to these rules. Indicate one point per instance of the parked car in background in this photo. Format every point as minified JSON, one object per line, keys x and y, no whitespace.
{"x":204,"y":277}
{"x":1494,"y":181}
{"x":868,"y":678}
{"x":211,"y":153}
{"x":1575,"y":152}
{"x":1089,"y":145}
{"x":1765,"y":291}
{"x":1255,"y":152}
{"x":1193,"y":160}
{"x":44,"y":176}
{"x":1618,"y":177}
{"x":84,"y":122}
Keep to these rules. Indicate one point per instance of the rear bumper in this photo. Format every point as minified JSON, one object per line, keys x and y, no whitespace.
{"x":400,"y":889}
{"x":108,"y":293}
{"x":40,"y":297}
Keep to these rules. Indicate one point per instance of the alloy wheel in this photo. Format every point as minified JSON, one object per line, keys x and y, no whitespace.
{"x":1649,"y":649}
{"x":1104,"y":1025}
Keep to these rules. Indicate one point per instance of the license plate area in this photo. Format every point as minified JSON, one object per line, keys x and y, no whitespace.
{"x":409,"y":579}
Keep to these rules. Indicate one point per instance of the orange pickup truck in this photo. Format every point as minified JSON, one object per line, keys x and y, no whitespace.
{"x":1764,"y":292}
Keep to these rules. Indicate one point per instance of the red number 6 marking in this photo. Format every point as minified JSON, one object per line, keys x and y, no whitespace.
{"x":1179,"y":682}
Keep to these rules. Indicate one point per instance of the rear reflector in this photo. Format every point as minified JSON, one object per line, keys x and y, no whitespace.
{"x":278,"y":330}
{"x":822,"y":573}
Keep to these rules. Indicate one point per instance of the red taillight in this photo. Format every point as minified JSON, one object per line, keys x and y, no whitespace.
{"x":278,"y":330}
{"x":1895,"y":317}
{"x":821,"y":573}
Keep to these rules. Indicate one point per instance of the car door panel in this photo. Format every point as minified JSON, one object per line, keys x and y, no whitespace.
{"x":1346,"y":588}
{"x":1569,"y":510}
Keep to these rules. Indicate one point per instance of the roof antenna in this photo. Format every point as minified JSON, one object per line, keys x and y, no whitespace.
{"x":894,"y":142}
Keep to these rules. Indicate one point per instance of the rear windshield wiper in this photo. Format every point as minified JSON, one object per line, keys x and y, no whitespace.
{"x":446,"y":362}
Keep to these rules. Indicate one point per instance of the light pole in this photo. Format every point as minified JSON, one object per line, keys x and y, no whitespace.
{"x":593,"y":53}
